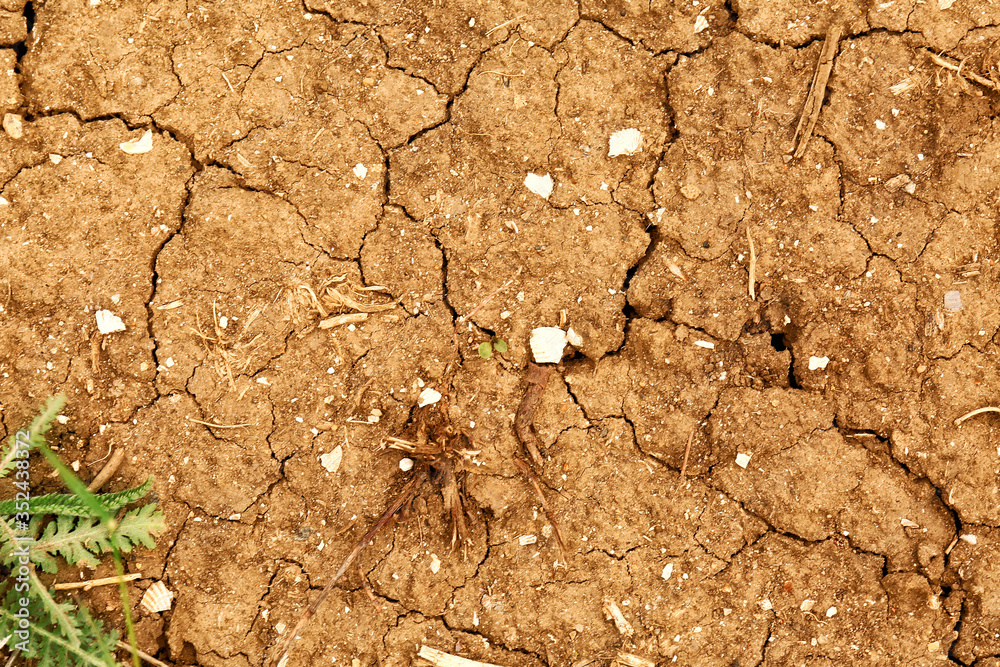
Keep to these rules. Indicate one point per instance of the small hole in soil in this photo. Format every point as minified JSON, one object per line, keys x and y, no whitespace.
{"x":778,"y":342}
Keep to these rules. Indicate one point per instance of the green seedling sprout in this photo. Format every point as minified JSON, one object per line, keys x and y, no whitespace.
{"x":498,"y":345}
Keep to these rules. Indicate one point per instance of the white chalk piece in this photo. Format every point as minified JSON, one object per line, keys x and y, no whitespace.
{"x":108,"y":322}
{"x":331,"y":460}
{"x":742,"y":460}
{"x":668,"y":569}
{"x":142,"y":144}
{"x":818,"y":362}
{"x":547,"y":344}
{"x":540,"y":185}
{"x":575,"y":339}
{"x":428,"y":397}
{"x":360,"y":171}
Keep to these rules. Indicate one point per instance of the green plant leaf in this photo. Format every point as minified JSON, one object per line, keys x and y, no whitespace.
{"x":31,"y":436}
{"x":58,"y":633}
{"x":500,"y":345}
{"x":485,"y":350}
{"x":84,"y":527}
{"x":67,"y":504}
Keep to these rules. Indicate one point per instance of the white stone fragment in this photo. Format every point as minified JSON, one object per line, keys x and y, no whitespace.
{"x":807,"y":605}
{"x":525,"y":540}
{"x":700,"y":24}
{"x":575,"y":339}
{"x":428,"y":397}
{"x":625,"y":142}
{"x":766,"y":605}
{"x":12,"y":125}
{"x":331,"y":460}
{"x":55,"y":158}
{"x":945,"y":4}
{"x":360,"y":171}
{"x":142,"y":144}
{"x":435,"y":563}
{"x":547,"y":344}
{"x":705,"y":344}
{"x":668,"y":569}
{"x":108,"y":322}
{"x":971,"y":539}
{"x":540,"y":185}
{"x":157,"y":598}
{"x":906,"y":523}
{"x":832,"y":611}
{"x":880,"y":124}
{"x":742,"y":460}
{"x":406,"y":464}
{"x":818,"y":362}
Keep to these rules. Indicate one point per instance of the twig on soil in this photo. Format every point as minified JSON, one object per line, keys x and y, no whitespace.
{"x":947,"y":63}
{"x":537,"y":377}
{"x":198,"y":421}
{"x":753,"y":267}
{"x":502,"y":25}
{"x":974,"y":413}
{"x":612,"y":612}
{"x":107,"y":472}
{"x":405,"y":496}
{"x":633,"y":660}
{"x":817,"y":91}
{"x":142,"y":654}
{"x":687,"y":453}
{"x":533,"y":478}
{"x":441,"y":659}
{"x":87,"y":585}
{"x":340,"y":320}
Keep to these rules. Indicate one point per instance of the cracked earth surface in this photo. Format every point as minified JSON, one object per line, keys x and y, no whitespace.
{"x":380,"y":143}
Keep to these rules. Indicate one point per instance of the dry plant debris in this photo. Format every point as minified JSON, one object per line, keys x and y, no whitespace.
{"x":817,"y":91}
{"x":439,"y":451}
{"x":432,"y":656}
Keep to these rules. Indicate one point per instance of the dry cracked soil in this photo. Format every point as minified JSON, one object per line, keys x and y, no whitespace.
{"x":332,"y":217}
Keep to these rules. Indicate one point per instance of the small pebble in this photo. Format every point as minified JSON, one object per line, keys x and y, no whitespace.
{"x":12,"y":125}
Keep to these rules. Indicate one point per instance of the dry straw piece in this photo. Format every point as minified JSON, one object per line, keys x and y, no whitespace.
{"x":817,"y":91}
{"x":974,"y":413}
{"x":438,"y":658}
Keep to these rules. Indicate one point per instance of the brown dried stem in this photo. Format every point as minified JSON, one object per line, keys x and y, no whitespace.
{"x":533,"y":478}
{"x":405,"y":497}
{"x":817,"y":91}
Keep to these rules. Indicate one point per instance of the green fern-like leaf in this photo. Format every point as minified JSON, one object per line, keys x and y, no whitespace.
{"x":58,"y":633}
{"x":84,"y":539}
{"x":33,"y":435}
{"x":67,"y":504}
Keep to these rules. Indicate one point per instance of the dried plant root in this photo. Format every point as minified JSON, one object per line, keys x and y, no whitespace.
{"x":537,"y":377}
{"x":404,"y":498}
{"x":533,"y":478}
